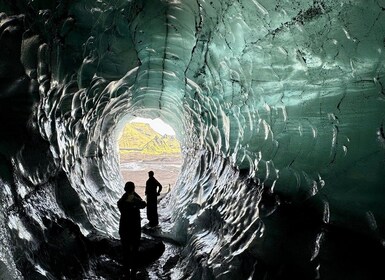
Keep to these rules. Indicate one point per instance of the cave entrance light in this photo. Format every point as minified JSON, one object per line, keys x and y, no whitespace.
{"x":149,"y":144}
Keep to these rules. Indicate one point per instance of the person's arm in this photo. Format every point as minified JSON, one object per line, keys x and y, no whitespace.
{"x":159,"y":187}
{"x":139,"y":202}
{"x":142,"y":204}
{"x":120,"y":202}
{"x":120,"y":205}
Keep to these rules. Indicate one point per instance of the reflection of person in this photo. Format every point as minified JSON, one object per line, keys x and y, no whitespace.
{"x":129,"y":227}
{"x":153,"y":189}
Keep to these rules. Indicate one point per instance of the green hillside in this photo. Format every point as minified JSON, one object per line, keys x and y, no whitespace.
{"x":141,"y":138}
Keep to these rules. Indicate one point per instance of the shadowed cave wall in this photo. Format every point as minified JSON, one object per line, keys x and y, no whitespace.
{"x":279,"y":106}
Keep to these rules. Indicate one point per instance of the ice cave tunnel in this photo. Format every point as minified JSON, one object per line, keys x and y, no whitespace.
{"x":279,"y":106}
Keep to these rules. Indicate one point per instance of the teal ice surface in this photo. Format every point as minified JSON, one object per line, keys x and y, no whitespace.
{"x":278,"y":98}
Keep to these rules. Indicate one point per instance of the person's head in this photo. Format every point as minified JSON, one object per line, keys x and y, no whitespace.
{"x":151,"y":173}
{"x":129,"y":187}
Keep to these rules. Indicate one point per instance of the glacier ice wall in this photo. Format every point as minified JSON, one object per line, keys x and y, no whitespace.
{"x":279,"y":106}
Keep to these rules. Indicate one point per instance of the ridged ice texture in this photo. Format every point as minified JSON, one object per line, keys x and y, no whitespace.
{"x":276,"y":103}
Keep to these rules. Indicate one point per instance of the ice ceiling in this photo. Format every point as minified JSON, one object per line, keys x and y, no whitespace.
{"x":279,"y":106}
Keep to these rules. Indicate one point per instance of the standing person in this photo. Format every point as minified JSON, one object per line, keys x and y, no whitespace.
{"x":153,"y":189}
{"x":130,"y":227}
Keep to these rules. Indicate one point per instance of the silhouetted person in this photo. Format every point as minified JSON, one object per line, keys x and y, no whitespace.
{"x":153,"y":189}
{"x":130,"y":228}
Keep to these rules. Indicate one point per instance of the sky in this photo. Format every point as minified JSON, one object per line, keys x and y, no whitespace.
{"x":156,"y":124}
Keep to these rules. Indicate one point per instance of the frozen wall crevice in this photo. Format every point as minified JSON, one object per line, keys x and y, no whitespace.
{"x":278,"y":106}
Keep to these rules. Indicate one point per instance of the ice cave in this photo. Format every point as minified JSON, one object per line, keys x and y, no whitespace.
{"x":278,"y":105}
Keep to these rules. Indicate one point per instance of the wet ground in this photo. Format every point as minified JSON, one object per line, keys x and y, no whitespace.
{"x":135,"y":167}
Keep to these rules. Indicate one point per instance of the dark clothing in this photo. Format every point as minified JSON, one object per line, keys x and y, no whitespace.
{"x":152,"y":211}
{"x":129,"y":227}
{"x":153,"y":189}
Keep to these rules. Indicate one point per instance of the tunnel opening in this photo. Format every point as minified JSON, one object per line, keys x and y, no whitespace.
{"x":149,"y":144}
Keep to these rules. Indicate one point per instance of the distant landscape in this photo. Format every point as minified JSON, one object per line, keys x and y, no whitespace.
{"x":141,"y":138}
{"x":142,"y":149}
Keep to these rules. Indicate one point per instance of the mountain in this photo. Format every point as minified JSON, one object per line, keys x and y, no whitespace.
{"x":141,"y":138}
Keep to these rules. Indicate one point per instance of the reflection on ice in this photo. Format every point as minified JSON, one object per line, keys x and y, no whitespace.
{"x":41,"y":270}
{"x":16,"y":224}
